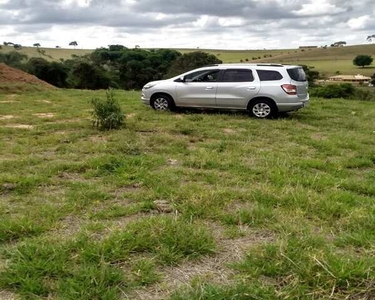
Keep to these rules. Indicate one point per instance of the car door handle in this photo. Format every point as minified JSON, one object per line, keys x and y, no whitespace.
{"x":209,"y":88}
{"x":251,"y":88}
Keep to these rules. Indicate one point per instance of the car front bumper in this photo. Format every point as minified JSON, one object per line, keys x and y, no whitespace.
{"x":145,"y":99}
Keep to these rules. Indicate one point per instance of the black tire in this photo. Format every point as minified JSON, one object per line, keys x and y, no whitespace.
{"x":162,"y":102}
{"x":262,"y":109}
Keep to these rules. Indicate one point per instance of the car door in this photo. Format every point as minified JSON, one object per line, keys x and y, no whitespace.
{"x":236,"y":87}
{"x":198,"y":89}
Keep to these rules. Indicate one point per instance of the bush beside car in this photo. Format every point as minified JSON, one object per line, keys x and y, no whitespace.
{"x":344,"y":91}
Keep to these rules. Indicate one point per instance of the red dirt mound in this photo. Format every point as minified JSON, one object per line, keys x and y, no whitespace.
{"x":11,"y":75}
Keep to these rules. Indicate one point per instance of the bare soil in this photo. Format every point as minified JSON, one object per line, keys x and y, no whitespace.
{"x":11,"y":75}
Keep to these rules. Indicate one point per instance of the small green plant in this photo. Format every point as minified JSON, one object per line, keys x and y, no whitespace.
{"x":107,"y":113}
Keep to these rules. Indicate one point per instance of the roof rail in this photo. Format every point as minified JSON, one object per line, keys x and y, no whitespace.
{"x":269,"y":65}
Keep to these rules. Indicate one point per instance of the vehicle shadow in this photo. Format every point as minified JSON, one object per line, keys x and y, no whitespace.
{"x":213,"y":111}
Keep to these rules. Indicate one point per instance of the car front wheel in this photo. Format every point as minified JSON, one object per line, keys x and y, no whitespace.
{"x":162,"y":103}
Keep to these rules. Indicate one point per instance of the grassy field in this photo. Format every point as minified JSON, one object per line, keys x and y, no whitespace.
{"x":50,"y":54}
{"x":327,"y":61}
{"x":187,"y":205}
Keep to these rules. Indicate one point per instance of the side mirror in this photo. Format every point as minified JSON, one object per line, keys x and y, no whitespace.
{"x":182,"y":79}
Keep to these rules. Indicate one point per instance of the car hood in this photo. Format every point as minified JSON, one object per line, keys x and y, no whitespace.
{"x":156,"y":82}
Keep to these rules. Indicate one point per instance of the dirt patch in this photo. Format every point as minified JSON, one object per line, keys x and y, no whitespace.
{"x":71,"y":176}
{"x":5,"y":295}
{"x":99,"y":139}
{"x":11,"y":75}
{"x":318,"y":136}
{"x":44,"y":115}
{"x":229,"y":131}
{"x":129,"y":116}
{"x":8,"y":101}
{"x":6,"y":117}
{"x":212,"y":268}
{"x":20,"y":126}
{"x":173,"y":162}
{"x":68,"y":227}
{"x":126,"y":189}
{"x":6,"y":188}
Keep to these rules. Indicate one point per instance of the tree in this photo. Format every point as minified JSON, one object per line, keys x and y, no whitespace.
{"x":371,"y":38}
{"x":362,"y":60}
{"x":88,"y":76}
{"x":339,"y":44}
{"x":17,"y":46}
{"x":116,"y":47}
{"x":74,"y":43}
{"x":192,"y":60}
{"x":36,"y":45}
{"x":311,"y":75}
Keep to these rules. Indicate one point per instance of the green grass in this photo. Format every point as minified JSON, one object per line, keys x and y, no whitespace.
{"x":78,"y":217}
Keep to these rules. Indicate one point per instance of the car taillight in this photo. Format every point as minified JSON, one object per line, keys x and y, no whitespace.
{"x":290,"y":89}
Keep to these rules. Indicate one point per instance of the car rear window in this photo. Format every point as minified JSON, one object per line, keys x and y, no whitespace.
{"x":237,"y":75}
{"x":297,"y":74}
{"x":265,"y":75}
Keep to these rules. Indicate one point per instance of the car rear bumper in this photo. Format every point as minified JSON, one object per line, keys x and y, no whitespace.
{"x":284,"y":107}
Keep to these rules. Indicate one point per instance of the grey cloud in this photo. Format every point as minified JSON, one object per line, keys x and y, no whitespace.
{"x":263,"y":19}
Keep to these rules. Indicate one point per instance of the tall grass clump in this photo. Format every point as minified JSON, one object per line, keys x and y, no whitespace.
{"x":107,"y":113}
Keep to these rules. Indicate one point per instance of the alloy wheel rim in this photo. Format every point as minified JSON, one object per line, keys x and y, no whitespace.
{"x":161,"y":104}
{"x":261,"y":110}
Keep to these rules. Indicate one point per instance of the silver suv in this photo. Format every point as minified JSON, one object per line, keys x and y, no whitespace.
{"x":262,"y":89}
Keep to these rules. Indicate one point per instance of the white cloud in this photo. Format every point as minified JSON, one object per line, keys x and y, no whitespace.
{"x":79,"y":3}
{"x":359,"y":23}
{"x":318,"y":7}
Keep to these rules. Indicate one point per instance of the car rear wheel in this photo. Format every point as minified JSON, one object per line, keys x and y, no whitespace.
{"x":162,"y":103}
{"x":262,"y":109}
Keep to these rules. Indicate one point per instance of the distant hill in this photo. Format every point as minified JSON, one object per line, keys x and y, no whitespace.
{"x":327,"y":61}
{"x":50,"y":54}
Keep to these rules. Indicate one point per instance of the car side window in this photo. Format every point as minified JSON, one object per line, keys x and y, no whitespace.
{"x":238,"y":75}
{"x":266,"y":75}
{"x":203,"y":76}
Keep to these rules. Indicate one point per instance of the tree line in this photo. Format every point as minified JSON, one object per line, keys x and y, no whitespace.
{"x":112,"y":67}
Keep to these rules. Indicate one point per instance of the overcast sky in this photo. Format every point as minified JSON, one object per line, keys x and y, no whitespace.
{"x":215,"y":24}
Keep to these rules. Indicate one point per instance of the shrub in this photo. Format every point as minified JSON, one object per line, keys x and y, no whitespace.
{"x":372,"y":81}
{"x":364,"y":95}
{"x":107,"y":114}
{"x":345,"y":90}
